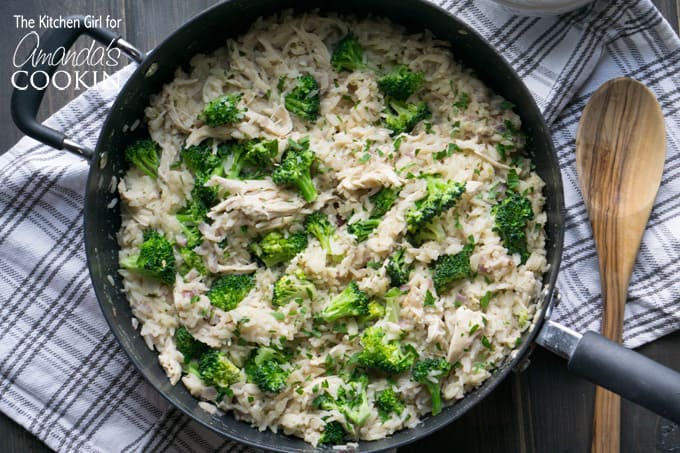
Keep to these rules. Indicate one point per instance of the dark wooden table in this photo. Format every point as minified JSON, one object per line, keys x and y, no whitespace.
{"x":541,"y":409}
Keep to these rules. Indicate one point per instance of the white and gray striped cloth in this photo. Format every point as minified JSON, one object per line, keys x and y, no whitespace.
{"x":63,"y":375}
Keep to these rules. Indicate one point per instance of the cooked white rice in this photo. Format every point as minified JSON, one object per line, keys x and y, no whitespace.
{"x":358,"y":156}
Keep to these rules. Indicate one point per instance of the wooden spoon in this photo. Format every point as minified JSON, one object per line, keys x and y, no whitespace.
{"x":620,"y":153}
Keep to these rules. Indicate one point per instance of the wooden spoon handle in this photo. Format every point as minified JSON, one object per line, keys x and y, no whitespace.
{"x":606,"y":422}
{"x":615,"y":271}
{"x":615,"y":274}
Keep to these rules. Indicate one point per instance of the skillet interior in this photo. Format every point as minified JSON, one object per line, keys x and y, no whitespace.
{"x":205,"y":33}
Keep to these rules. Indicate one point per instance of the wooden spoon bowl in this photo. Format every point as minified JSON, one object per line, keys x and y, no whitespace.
{"x":620,"y":154}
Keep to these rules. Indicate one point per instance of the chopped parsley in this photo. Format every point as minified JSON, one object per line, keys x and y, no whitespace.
{"x":406,"y":167}
{"x":455,"y":128}
{"x":484,"y":301}
{"x":502,"y":150}
{"x":486,"y":343}
{"x":397,"y":142}
{"x":447,"y":152}
{"x":429,"y":299}
{"x":512,"y":129}
{"x":513,"y":180}
{"x":340,"y":328}
{"x":278,"y":315}
{"x":506,"y":105}
{"x":463,"y":101}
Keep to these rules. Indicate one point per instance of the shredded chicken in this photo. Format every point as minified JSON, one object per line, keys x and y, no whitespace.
{"x":204,"y":132}
{"x":217,"y":268}
{"x":278,"y":123}
{"x":169,"y":360}
{"x":367,"y":177}
{"x":473,"y":147}
{"x":386,"y":234}
{"x":257,"y":201}
{"x":462,"y":323}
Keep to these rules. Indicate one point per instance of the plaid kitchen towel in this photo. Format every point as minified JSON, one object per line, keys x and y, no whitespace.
{"x":64,"y":377}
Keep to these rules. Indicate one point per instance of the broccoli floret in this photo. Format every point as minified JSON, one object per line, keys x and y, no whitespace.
{"x":259,"y":157}
{"x":348,"y":54}
{"x":430,"y":231}
{"x":292,"y":287}
{"x":383,"y":200}
{"x":261,"y":151}
{"x":190,"y":217}
{"x":276,"y":248}
{"x":264,"y":369}
{"x":190,"y":231}
{"x":229,"y":290}
{"x":441,"y":196}
{"x":386,"y":355}
{"x":318,"y":225}
{"x":324,"y":401}
{"x":376,"y":310}
{"x":208,"y":196}
{"x":351,"y":401}
{"x":450,"y":268}
{"x":295,"y":168}
{"x":511,"y":217}
{"x":430,"y":373}
{"x":362,"y":229}
{"x":190,"y":347}
{"x":254,"y":155}
{"x":333,"y":434}
{"x":145,"y":155}
{"x":231,"y":155}
{"x":304,"y":100}
{"x":196,"y":210}
{"x":203,"y":197}
{"x":222,"y":110}
{"x":350,"y":302}
{"x":202,"y":163}
{"x":155,"y":259}
{"x":388,"y":402}
{"x":403,"y":117}
{"x":397,"y":269}
{"x":191,"y":260}
{"x":217,"y":370}
{"x":200,"y":159}
{"x":400,"y":83}
{"x":392,"y":305}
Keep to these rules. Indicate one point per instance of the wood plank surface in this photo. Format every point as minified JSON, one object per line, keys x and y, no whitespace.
{"x":542,"y":408}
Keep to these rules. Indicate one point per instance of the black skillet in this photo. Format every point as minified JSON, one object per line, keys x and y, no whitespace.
{"x":628,"y":373}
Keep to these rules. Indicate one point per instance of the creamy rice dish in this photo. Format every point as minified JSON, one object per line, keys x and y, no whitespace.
{"x":332,"y":229}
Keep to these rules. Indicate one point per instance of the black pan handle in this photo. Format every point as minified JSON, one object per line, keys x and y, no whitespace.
{"x":631,"y":375}
{"x":25,"y":102}
{"x":615,"y":367}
